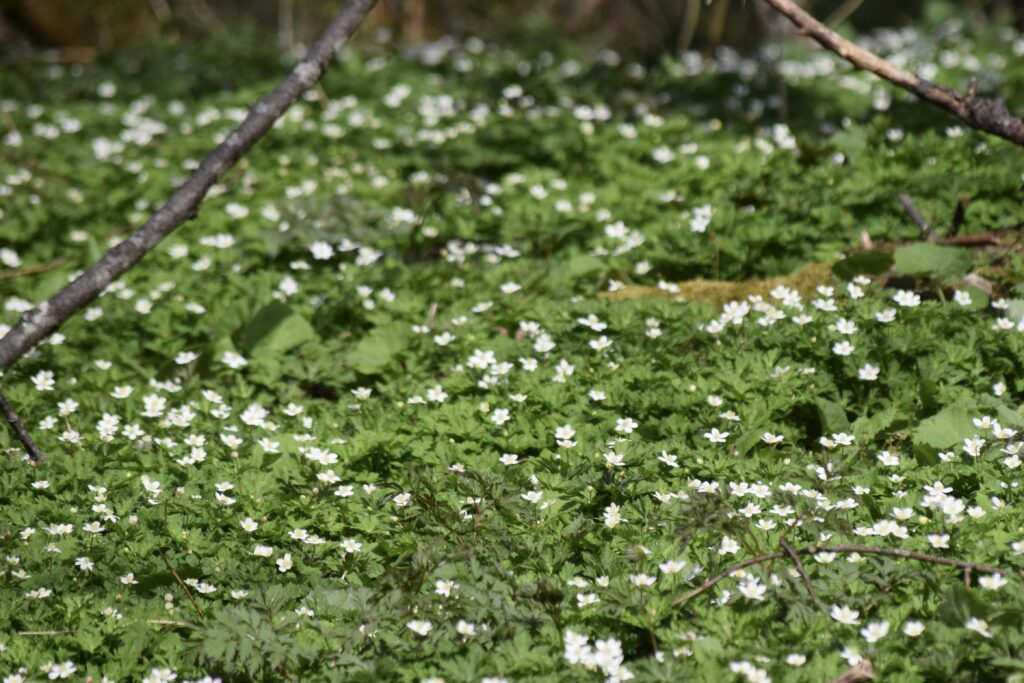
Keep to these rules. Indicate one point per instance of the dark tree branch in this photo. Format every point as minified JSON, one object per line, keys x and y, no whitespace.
{"x":11,"y":415}
{"x":843,"y":550}
{"x":926,"y":230}
{"x":958,"y":215}
{"x":987,"y":114}
{"x":45,"y":318}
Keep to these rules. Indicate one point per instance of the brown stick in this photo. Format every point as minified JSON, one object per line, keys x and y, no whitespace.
{"x":908,"y":205}
{"x":31,"y":270}
{"x":844,"y":550}
{"x":862,"y":672}
{"x":799,"y":567}
{"x":987,"y":114}
{"x":11,"y":415}
{"x":153,"y":622}
{"x":182,"y":205}
{"x":958,"y":215}
{"x":184,"y":586}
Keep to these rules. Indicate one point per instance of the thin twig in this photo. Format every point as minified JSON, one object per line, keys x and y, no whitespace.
{"x":926,"y":230}
{"x":11,"y":415}
{"x":799,"y":567}
{"x":184,"y":586}
{"x":987,"y":114}
{"x":843,"y":12}
{"x":153,"y":622}
{"x":32,"y":270}
{"x":958,"y":216}
{"x":844,"y":550}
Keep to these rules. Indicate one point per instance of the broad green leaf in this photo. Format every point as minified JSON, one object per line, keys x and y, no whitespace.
{"x":276,"y":328}
{"x":376,"y":350}
{"x":832,"y":416}
{"x":932,"y":260}
{"x":866,"y":263}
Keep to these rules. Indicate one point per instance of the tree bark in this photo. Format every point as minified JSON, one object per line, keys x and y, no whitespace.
{"x":45,"y":318}
{"x":983,"y":113}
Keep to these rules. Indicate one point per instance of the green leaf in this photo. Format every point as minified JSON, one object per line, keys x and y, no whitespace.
{"x":832,"y":416}
{"x":866,"y":263}
{"x":960,"y":604}
{"x":276,"y":328}
{"x":947,"y":428}
{"x":375,"y":351}
{"x":932,"y":260}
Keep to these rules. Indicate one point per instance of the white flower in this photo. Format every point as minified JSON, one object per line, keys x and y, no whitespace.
{"x":978,"y":626}
{"x":626,"y":425}
{"x":564,"y":433}
{"x":612,"y":516}
{"x":43,"y":380}
{"x":875,"y":631}
{"x":843,"y":348}
{"x":500,"y":416}
{"x":796,"y":659}
{"x":420,"y":626}
{"x":992,"y":582}
{"x":249,"y":524}
{"x":913,"y":628}
{"x":906,"y":298}
{"x":642,"y":580}
{"x":233,"y":360}
{"x":284,"y":563}
{"x":868,"y":372}
{"x":770,"y":438}
{"x":729,"y":546}
{"x":715,"y":436}
{"x":844,"y":614}
{"x":672,"y":566}
{"x":753,"y":590}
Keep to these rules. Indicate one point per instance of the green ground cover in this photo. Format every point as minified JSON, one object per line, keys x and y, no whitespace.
{"x":372,"y":415}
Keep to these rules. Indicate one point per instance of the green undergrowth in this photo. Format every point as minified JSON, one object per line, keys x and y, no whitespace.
{"x":385,"y":409}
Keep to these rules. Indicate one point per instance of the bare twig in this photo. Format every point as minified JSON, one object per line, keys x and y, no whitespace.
{"x":799,"y":567}
{"x":843,"y":12}
{"x":154,"y":622}
{"x":182,"y":205}
{"x":844,"y":550}
{"x":987,"y":114}
{"x":958,"y":215}
{"x":184,"y":586}
{"x":863,"y":671}
{"x":908,"y":205}
{"x":31,"y":270}
{"x":11,"y":415}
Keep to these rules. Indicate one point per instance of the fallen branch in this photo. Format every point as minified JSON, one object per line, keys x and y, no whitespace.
{"x":926,"y":230}
{"x":987,"y":114}
{"x":843,"y":550}
{"x":45,"y":318}
{"x":11,"y":415}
